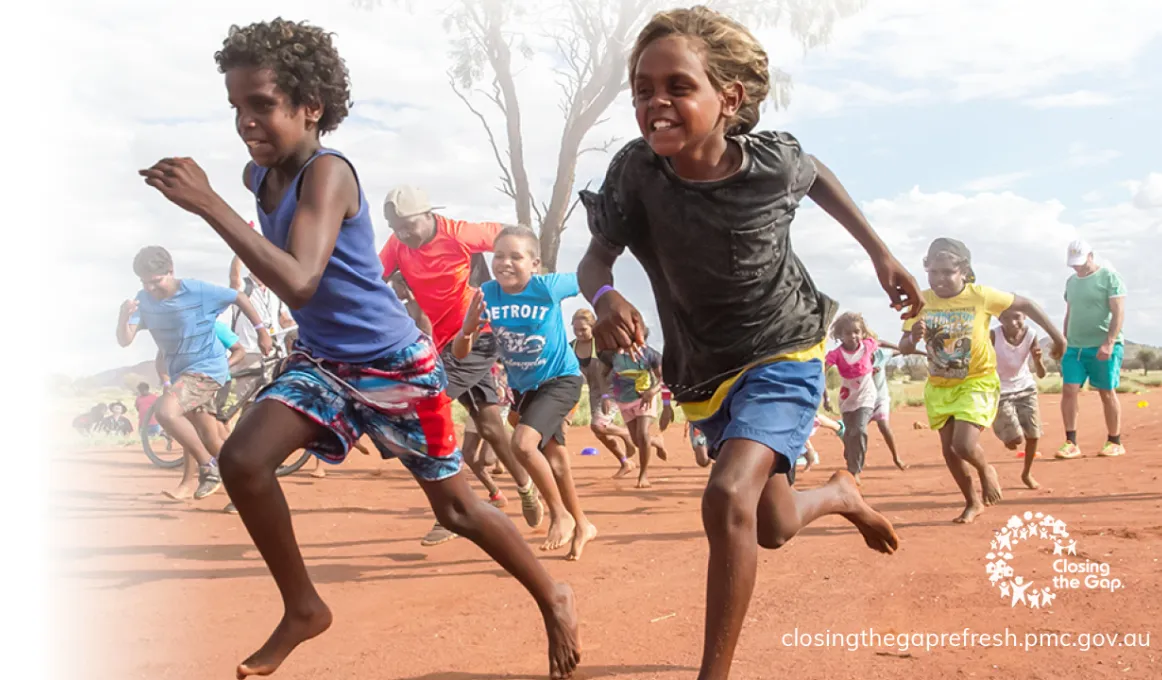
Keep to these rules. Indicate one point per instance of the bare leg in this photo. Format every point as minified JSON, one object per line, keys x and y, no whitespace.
{"x":1030,"y":454}
{"x":966,"y":445}
{"x":491,"y":429}
{"x":473,"y":456}
{"x":639,"y":432}
{"x":526,"y":442}
{"x":614,"y":444}
{"x":318,"y":471}
{"x":783,"y":511}
{"x":189,"y":482}
{"x":962,"y":474}
{"x":1112,"y":409}
{"x":558,"y":457}
{"x":265,"y":436}
{"x":810,"y":454}
{"x":211,"y":431}
{"x":464,"y":513}
{"x":170,"y":416}
{"x":890,"y":440}
{"x":1069,"y":395}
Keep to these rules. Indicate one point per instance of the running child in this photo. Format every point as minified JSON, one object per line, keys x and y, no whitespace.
{"x":434,"y":257}
{"x":963,"y":389}
{"x":810,"y":456}
{"x":853,"y":359}
{"x":180,"y":315}
{"x":524,"y":311}
{"x":601,"y":407}
{"x":881,"y":414}
{"x":705,"y":206}
{"x":360,"y":365}
{"x":696,"y":437}
{"x":635,"y":381}
{"x":143,"y":402}
{"x":1019,"y":413}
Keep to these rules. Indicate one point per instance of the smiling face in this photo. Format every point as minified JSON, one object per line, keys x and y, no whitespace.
{"x":270,"y":124}
{"x":945,"y":275}
{"x":160,"y":286}
{"x":1013,"y":322}
{"x":582,"y":329}
{"x":678,"y":108}
{"x":514,"y":263}
{"x":852,"y":336}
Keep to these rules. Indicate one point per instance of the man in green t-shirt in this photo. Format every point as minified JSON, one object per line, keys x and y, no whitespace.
{"x":1095,"y":307}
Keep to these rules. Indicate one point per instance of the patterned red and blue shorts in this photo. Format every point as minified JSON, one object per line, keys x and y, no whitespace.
{"x":397,"y":401}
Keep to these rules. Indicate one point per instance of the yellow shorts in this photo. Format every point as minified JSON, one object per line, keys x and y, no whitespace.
{"x":973,"y":401}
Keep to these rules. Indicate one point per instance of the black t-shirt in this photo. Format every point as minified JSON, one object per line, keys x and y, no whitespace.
{"x":728,"y":287}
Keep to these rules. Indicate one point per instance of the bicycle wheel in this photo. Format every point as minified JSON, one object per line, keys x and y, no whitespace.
{"x":168,"y":455}
{"x":294,"y":466}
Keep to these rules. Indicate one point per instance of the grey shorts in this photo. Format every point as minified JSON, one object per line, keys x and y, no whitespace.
{"x":1019,"y":414}
{"x":470,"y":379}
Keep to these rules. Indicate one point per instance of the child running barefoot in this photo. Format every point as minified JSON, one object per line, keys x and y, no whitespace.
{"x":857,"y":395}
{"x":360,"y":364}
{"x":881,"y":414}
{"x":705,"y":206}
{"x":636,"y":380}
{"x":601,"y":408}
{"x":963,"y":388}
{"x":1019,"y":414}
{"x":524,"y":310}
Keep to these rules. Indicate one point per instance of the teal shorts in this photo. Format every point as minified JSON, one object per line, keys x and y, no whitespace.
{"x":1081,"y":364}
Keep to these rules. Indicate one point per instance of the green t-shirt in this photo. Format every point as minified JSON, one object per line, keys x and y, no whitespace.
{"x":1089,"y":307}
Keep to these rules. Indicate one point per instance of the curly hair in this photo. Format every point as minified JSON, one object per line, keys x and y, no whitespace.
{"x":152,"y":261}
{"x":731,"y":52}
{"x":305,"y":62}
{"x":848,"y":320}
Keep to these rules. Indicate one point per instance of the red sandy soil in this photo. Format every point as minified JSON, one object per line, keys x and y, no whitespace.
{"x":150,"y":588}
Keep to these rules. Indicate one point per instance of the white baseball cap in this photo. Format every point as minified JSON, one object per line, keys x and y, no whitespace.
{"x":407,"y":201}
{"x":1078,"y":254}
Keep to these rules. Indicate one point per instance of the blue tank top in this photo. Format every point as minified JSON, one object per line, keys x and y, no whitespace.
{"x":354,"y":316}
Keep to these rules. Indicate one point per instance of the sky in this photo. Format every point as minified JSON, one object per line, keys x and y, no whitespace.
{"x":1013,"y":126}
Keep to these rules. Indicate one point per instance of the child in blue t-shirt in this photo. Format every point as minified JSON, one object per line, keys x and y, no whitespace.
{"x":524,"y":311}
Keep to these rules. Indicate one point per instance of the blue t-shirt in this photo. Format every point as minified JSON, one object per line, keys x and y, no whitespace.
{"x":183,"y":327}
{"x":530,"y":329}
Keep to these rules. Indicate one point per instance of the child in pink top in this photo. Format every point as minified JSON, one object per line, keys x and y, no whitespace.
{"x":857,"y":395}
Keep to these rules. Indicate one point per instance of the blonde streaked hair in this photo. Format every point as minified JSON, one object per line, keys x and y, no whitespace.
{"x":731,"y":54}
{"x":586,"y":315}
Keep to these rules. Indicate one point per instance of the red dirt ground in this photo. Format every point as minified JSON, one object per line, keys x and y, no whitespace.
{"x":151,"y":588}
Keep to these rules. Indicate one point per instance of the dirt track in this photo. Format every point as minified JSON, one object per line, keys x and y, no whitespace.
{"x":166,"y":590}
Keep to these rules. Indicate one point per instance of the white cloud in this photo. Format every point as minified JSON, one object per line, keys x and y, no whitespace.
{"x":1148,"y":194}
{"x":1081,"y":155}
{"x":1072,"y":100}
{"x":995,"y":182}
{"x":1092,"y":196}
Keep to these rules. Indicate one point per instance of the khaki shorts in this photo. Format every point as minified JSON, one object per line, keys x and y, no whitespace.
{"x":196,"y":392}
{"x":1018,"y":414}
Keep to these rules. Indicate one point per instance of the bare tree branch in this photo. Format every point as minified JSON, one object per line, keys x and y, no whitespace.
{"x":603,"y":148}
{"x":508,"y":187}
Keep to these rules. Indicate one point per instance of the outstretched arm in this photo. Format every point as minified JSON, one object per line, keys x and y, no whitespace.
{"x":265,"y":342}
{"x":830,"y":195}
{"x":236,"y":274}
{"x":329,"y":192}
{"x":1033,"y":311}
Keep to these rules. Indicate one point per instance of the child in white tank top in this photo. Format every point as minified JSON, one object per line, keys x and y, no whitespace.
{"x":1019,"y":413}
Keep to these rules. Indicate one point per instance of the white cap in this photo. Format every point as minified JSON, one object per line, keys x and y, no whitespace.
{"x":1078,"y":254}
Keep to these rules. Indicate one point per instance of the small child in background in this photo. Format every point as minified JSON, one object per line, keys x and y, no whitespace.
{"x":1018,"y":414}
{"x":636,"y":383}
{"x":810,"y":456}
{"x":857,"y":394}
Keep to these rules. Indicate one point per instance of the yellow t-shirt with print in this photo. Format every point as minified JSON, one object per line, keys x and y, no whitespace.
{"x":957,"y":333}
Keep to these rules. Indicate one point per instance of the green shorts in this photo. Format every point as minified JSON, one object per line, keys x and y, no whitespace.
{"x":974,"y":401}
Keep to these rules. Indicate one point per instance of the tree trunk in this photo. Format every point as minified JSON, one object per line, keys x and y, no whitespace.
{"x":500,"y":57}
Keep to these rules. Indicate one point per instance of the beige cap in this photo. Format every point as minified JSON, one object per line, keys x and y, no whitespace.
{"x":407,"y":201}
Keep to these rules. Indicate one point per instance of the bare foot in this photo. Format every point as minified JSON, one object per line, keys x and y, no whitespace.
{"x":1027,"y":478}
{"x":561,"y":531}
{"x":877,"y":531}
{"x":901,"y":464}
{"x":290,"y":633}
{"x":662,"y":455}
{"x":318,"y":473}
{"x":183,"y":492}
{"x":970,"y":512}
{"x":564,"y":638}
{"x":581,"y":536}
{"x":627,"y":467}
{"x":990,"y":487}
{"x":643,"y":482}
{"x":630,"y":449}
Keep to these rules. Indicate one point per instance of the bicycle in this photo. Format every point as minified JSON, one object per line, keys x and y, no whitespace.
{"x":257,"y":377}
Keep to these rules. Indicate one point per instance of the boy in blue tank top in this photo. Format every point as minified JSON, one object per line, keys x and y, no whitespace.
{"x":360,"y":365}
{"x":524,"y":311}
